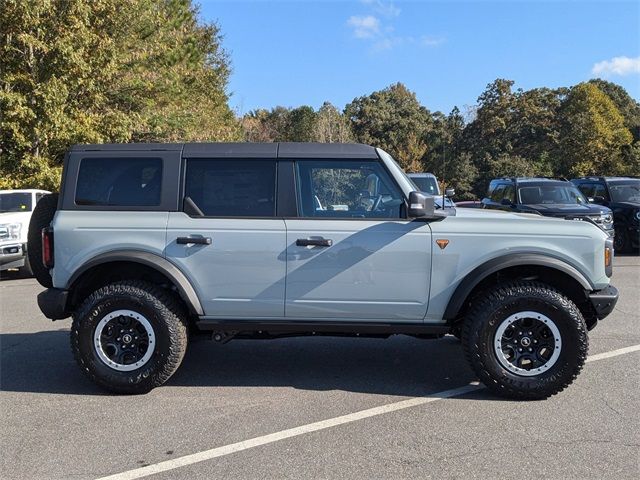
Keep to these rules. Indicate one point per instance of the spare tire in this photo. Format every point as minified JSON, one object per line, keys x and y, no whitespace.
{"x":41,"y":218}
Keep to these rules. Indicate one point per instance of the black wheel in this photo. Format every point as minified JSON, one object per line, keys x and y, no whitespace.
{"x":129,"y":337}
{"x":40,"y":218}
{"x":621,"y":241}
{"x":525,"y":340}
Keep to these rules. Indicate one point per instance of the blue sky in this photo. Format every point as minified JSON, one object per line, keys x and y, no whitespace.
{"x":305,"y":52}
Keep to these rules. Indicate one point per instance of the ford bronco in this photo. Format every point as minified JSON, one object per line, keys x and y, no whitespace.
{"x":148,"y":244}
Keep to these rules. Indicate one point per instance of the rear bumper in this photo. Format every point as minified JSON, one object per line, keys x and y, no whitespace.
{"x":604,"y":301}
{"x":12,"y":256}
{"x":53,"y":303}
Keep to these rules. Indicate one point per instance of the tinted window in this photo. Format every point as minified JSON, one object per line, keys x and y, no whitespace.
{"x":498,"y":193}
{"x":426,"y":184}
{"x":628,"y":191}
{"x":15,"y":202}
{"x":587,"y":189}
{"x":347,"y":189}
{"x":232,"y":188}
{"x":130,"y":182}
{"x":510,"y":193}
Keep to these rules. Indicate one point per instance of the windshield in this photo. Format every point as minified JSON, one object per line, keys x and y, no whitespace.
{"x":426,"y":184}
{"x":15,"y":202}
{"x":625,"y":192}
{"x":551,"y":194}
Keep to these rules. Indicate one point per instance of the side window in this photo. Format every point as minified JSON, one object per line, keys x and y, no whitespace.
{"x":347,"y":189}
{"x":600,"y":191}
{"x":129,"y":182}
{"x":586,"y":189}
{"x":498,"y":194}
{"x":232,"y":188}
{"x":510,"y":193}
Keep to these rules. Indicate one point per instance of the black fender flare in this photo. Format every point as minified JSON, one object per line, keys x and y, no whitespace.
{"x":494,"y":265}
{"x":156,"y":262}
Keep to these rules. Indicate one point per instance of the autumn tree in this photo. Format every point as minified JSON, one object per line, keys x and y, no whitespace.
{"x":104,"y":71}
{"x":593,"y":133}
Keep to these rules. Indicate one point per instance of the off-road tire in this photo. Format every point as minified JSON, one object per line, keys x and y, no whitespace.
{"x":26,"y":268}
{"x":491,"y":309}
{"x":621,"y":241}
{"x":164,"y":312}
{"x":40,"y":218}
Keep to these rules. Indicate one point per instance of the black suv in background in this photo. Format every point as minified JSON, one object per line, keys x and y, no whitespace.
{"x":551,"y":197}
{"x":622,"y":196}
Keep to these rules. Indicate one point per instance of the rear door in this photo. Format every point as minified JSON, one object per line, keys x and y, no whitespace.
{"x":351,"y":256}
{"x":227,"y":238}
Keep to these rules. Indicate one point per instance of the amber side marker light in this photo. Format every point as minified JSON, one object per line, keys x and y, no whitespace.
{"x":607,"y":256}
{"x":442,"y":243}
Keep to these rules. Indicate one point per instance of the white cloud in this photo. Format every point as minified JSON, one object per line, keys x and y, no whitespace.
{"x":431,"y":41}
{"x":364,"y":26}
{"x":617,"y":66}
{"x":386,"y":9}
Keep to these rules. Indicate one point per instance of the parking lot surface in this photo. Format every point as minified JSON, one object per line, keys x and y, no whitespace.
{"x":362,"y":408}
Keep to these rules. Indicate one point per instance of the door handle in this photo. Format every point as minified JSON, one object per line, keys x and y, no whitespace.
{"x":314,"y":242}
{"x":196,"y":240}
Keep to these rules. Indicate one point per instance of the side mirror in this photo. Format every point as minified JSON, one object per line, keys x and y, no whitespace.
{"x":449,"y":192}
{"x":598,"y":200}
{"x":506,"y":202}
{"x":421,"y":205}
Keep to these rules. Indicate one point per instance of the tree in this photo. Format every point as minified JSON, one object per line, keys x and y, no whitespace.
{"x":391,"y":119}
{"x":104,"y":71}
{"x":593,"y":133}
{"x":627,"y":106}
{"x":331,"y":126}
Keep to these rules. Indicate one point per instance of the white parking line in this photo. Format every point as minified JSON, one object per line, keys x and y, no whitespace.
{"x":316,"y":426}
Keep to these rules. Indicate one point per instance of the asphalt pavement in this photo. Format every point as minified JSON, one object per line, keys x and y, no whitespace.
{"x":314,"y":408}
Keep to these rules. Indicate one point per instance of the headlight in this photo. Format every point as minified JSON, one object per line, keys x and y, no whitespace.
{"x":638,"y":215}
{"x":10,"y":231}
{"x":606,"y":218}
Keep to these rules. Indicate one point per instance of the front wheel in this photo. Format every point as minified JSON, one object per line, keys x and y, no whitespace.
{"x":525,"y":340}
{"x":621,"y":241}
{"x":129,"y":337}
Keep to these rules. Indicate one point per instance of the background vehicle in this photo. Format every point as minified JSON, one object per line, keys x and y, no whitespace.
{"x":426,"y":182}
{"x":547,"y":196}
{"x":469,"y":204}
{"x":622,"y":196}
{"x":245,"y":241}
{"x":16,"y":207}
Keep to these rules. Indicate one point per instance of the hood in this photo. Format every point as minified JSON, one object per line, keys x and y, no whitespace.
{"x":625,"y":205}
{"x":15,"y":217}
{"x":554,"y":209}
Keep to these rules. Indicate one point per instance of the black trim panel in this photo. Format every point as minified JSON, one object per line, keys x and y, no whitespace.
{"x":162,"y":265}
{"x":604,"y":301}
{"x":292,"y":326}
{"x":511,"y":260}
{"x":53,"y":303}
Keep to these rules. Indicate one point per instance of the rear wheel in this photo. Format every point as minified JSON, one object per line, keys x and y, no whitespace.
{"x":129,"y":337}
{"x":26,"y":268}
{"x":525,"y":340}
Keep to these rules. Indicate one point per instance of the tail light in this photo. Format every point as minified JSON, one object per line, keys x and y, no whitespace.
{"x":47,"y":247}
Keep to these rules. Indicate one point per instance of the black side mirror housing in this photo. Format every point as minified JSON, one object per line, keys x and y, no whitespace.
{"x":421,"y":205}
{"x":506,"y":202}
{"x":598,"y":200}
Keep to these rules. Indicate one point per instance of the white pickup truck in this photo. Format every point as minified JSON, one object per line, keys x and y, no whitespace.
{"x":16,"y":207}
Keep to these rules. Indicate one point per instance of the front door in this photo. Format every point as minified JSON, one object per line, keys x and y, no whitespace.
{"x":228,"y":241}
{"x":350,"y":254}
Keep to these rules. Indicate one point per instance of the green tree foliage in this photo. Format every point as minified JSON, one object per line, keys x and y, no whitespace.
{"x":331,"y":126}
{"x":593,"y":133}
{"x":104,"y":71}
{"x":627,"y":106}
{"x":393,"y":120}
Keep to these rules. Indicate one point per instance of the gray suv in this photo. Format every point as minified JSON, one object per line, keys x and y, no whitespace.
{"x":148,"y":244}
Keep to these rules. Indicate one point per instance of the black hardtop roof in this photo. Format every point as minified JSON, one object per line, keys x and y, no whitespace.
{"x":613,"y":179}
{"x":242,"y":149}
{"x":519,"y":180}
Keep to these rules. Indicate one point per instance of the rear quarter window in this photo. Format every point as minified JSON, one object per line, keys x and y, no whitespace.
{"x":129,"y":182}
{"x":232,"y":188}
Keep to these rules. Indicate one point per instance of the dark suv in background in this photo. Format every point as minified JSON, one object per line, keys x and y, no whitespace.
{"x":551,"y":197}
{"x":622,"y":196}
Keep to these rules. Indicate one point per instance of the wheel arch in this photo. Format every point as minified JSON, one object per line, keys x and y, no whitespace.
{"x":557,"y":273}
{"x":131,"y":264}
